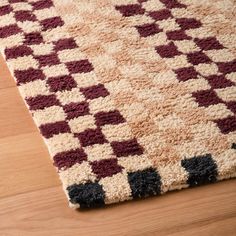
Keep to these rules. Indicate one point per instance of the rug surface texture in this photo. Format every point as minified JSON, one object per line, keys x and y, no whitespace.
{"x":132,"y":97}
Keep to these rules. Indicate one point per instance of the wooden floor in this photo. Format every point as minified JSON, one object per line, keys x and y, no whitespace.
{"x":32,"y":201}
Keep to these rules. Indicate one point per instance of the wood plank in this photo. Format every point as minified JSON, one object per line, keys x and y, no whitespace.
{"x":25,"y":165}
{"x":226,"y":227}
{"x":15,"y":118}
{"x":206,"y":210}
{"x":5,"y":77}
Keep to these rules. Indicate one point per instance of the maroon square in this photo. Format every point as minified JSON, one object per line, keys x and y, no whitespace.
{"x":74,"y":110}
{"x":17,"y":51}
{"x":227,"y":125}
{"x":95,"y":91}
{"x":161,"y":14}
{"x":90,"y":137}
{"x":82,"y":66}
{"x":16,"y":1}
{"x":42,"y":4}
{"x":63,"y":44}
{"x":168,"y":51}
{"x":186,"y":73}
{"x":206,"y":97}
{"x":69,"y":158}
{"x":130,"y":10}
{"x":177,"y":35}
{"x":42,"y":101}
{"x":209,"y":43}
{"x":148,"y":29}
{"x":227,"y":67}
{"x":4,"y":10}
{"x":33,"y":38}
{"x":188,"y":23}
{"x":9,"y":30}
{"x":48,"y":60}
{"x":24,"y":76}
{"x":126,"y":148}
{"x":52,"y":23}
{"x":105,"y":168}
{"x":197,"y":58}
{"x":219,"y":81}
{"x":111,"y":117}
{"x":173,"y":4}
{"x":232,"y":106}
{"x":25,"y":16}
{"x":48,"y":130}
{"x":61,"y":83}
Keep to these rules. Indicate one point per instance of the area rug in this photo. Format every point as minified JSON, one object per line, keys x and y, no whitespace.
{"x":133,"y":98}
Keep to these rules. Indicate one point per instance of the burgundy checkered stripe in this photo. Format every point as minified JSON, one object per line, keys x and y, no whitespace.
{"x":64,"y":82}
{"x":216,"y":81}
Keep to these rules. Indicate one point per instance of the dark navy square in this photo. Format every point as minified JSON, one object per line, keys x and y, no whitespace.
{"x":86,"y":195}
{"x":233,"y":146}
{"x":144,"y":183}
{"x":201,"y":170}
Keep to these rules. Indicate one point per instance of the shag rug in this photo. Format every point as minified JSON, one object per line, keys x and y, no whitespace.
{"x":133,"y":97}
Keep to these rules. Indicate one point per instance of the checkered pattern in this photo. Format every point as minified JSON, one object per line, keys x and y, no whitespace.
{"x":133,"y":98}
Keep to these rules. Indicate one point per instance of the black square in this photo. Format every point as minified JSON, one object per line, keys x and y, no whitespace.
{"x":201,"y":170}
{"x":87,"y":195}
{"x":144,"y":183}
{"x":233,"y":146}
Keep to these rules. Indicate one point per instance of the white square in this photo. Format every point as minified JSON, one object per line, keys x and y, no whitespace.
{"x":69,"y":55}
{"x":42,"y":49}
{"x":34,"y":88}
{"x":207,"y":69}
{"x":177,"y":62}
{"x":99,"y":152}
{"x":116,"y":187}
{"x":120,"y":132}
{"x":56,"y":70}
{"x":168,"y":25}
{"x":30,"y":26}
{"x":82,"y":123}
{"x":8,"y":19}
{"x":45,"y":13}
{"x":101,"y":104}
{"x":85,"y":79}
{"x":186,"y":46}
{"x":77,"y":174}
{"x":61,"y":143}
{"x":23,"y":63}
{"x":49,"y":115}
{"x":74,"y":95}
{"x":22,"y":6}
